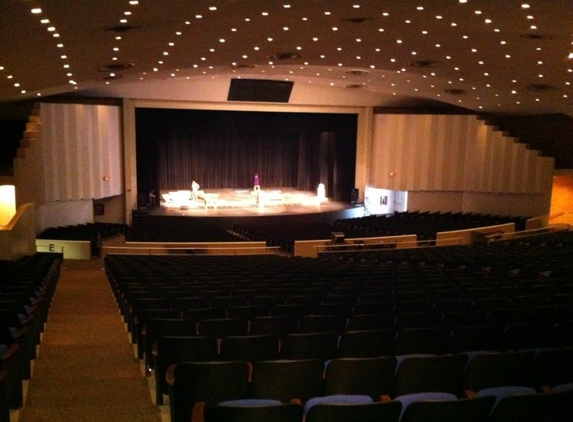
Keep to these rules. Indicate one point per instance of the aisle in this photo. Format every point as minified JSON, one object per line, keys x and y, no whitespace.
{"x":86,"y":369}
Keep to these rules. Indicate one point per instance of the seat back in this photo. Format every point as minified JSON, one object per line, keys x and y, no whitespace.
{"x":466,"y":410}
{"x":173,"y":350}
{"x":275,"y":325}
{"x":285,"y":380}
{"x":309,"y":346}
{"x":250,"y":348}
{"x":322,"y":323}
{"x":222,"y":327}
{"x":367,"y":376}
{"x":467,"y":338}
{"x":372,"y":412}
{"x":208,"y":382}
{"x":416,"y":374}
{"x":276,"y":413}
{"x":433,"y":340}
{"x":498,"y":369}
{"x":366,"y":343}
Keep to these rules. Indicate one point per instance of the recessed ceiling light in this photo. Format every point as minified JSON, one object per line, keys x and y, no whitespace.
{"x":36,"y":11}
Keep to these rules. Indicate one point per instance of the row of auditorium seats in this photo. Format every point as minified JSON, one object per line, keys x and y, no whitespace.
{"x":172,"y":347}
{"x":26,"y":290}
{"x":374,"y":380}
{"x":425,"y":224}
{"x":83,"y":231}
{"x":91,"y":232}
{"x":497,"y":406}
{"x":176,"y":233}
{"x":361,"y":343}
{"x":284,"y":235}
{"x":548,"y":253}
{"x":476,"y":293}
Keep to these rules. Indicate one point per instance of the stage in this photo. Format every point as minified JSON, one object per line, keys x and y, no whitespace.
{"x":225,"y":207}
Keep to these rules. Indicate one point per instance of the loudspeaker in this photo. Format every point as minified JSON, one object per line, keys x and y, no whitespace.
{"x":354,"y":194}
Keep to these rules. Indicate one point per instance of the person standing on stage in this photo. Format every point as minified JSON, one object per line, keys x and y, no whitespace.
{"x":194,"y":190}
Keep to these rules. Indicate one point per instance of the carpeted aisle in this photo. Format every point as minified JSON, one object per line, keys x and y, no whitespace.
{"x":86,"y":369}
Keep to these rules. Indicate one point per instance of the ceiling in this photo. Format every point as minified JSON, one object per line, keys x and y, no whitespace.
{"x":487,"y":56}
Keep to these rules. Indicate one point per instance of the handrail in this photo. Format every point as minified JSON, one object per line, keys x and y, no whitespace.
{"x":351,"y":246}
{"x":142,"y":250}
{"x":498,"y":237}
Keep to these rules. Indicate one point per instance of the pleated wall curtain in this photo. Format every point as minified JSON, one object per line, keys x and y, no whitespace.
{"x":224,"y":149}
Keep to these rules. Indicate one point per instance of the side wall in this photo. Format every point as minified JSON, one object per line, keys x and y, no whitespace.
{"x":458,"y":163}
{"x":70,"y":155}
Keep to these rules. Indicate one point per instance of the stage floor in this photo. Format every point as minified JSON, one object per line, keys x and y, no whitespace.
{"x":244,"y":203}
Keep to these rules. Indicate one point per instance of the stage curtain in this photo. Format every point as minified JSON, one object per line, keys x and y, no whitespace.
{"x":225,"y":149}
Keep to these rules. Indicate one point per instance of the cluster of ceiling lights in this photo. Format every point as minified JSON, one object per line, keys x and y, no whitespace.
{"x":116,"y":65}
{"x":237,"y":67}
{"x":51,"y":29}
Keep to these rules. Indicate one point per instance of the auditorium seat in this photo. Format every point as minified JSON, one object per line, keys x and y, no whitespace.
{"x":550,"y":368}
{"x":417,"y":374}
{"x":529,"y":335}
{"x":205,"y":383}
{"x":420,"y":409}
{"x":253,"y":412}
{"x":434,"y":340}
{"x":322,"y":323}
{"x":485,"y":370}
{"x":275,"y":325}
{"x":156,"y":328}
{"x":359,"y":322}
{"x":366,"y":343}
{"x":372,"y":412}
{"x":287,"y":380}
{"x":309,"y":346}
{"x":171,"y":350}
{"x":373,"y":377}
{"x":223,"y":327}
{"x":249,"y":348}
{"x":468,"y":338}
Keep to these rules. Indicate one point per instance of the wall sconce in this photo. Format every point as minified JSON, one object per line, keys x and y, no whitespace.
{"x":106,"y":178}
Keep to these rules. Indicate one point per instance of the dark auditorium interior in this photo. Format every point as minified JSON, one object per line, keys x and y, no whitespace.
{"x":286,"y":211}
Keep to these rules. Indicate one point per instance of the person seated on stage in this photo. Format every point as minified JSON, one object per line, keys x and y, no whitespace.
{"x":194,"y":191}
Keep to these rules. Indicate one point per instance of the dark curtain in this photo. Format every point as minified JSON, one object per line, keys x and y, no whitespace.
{"x":224,"y":149}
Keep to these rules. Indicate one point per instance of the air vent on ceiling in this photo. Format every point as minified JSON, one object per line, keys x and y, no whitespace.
{"x":357,"y":72}
{"x":357,"y":20}
{"x":454,"y":91}
{"x":120,"y":29}
{"x":355,"y":86}
{"x":243,"y":66}
{"x":114,"y":67}
{"x":260,"y":90}
{"x":112,"y":77}
{"x":425,"y":63}
{"x":284,"y":56}
{"x":536,"y":37}
{"x":540,"y":88}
